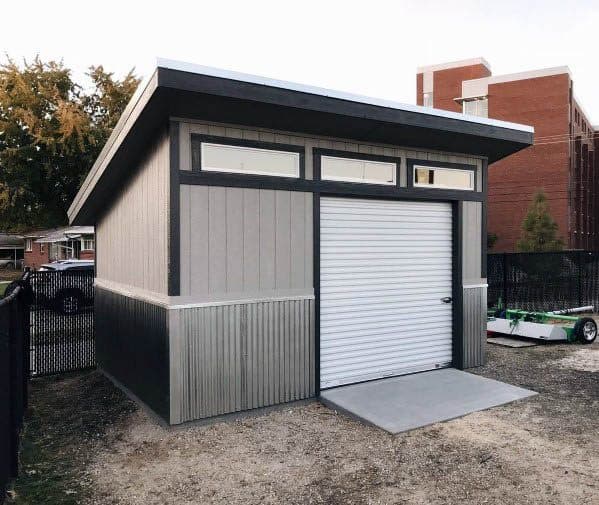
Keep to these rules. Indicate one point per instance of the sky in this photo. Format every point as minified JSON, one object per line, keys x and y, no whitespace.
{"x":367,"y":47}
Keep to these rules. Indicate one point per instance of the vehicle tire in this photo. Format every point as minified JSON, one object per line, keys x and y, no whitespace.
{"x":585,"y":330}
{"x":69,"y":302}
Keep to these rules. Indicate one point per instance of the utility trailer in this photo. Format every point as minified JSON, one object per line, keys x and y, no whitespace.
{"x":549,"y":326}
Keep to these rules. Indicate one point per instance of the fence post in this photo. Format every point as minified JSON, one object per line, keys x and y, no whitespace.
{"x":504,"y":269}
{"x":580,"y":261}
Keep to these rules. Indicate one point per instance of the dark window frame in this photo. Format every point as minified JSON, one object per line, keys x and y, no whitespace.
{"x":196,"y":141}
{"x":411,"y":162}
{"x":318,"y":152}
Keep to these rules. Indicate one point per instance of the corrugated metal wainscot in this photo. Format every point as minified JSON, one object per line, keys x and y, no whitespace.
{"x":232,"y":356}
{"x":474,"y":325}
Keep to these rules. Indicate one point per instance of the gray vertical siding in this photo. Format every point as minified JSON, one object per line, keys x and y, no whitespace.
{"x":474,"y":326}
{"x":233,"y":357}
{"x":132,"y":236}
{"x":240,"y":243}
{"x":471,"y":241}
{"x":474,"y":302}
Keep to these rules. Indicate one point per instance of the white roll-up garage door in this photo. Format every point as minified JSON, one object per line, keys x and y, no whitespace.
{"x":385,"y":267}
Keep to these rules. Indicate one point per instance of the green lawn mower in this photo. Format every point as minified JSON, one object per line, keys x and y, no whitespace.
{"x":550,"y":326}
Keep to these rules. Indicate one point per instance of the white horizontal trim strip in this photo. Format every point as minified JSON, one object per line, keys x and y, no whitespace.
{"x":341,"y":95}
{"x":240,"y":302}
{"x":471,"y":286}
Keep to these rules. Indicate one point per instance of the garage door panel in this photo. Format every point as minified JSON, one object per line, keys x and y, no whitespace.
{"x":357,"y":372}
{"x":351,"y":346}
{"x":384,"y":268}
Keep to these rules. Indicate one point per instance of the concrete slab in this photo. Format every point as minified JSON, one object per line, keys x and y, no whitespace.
{"x":511,"y":342}
{"x":404,"y":403}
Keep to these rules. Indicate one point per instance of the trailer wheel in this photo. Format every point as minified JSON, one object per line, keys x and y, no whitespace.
{"x":586,"y":330}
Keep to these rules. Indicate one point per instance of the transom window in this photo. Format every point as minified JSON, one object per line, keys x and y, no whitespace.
{"x":445,"y":178}
{"x":354,"y":170}
{"x":249,"y":160}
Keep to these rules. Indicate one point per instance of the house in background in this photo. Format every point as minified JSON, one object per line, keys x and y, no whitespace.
{"x":45,"y":246}
{"x":11,"y":250}
{"x":562,"y":161}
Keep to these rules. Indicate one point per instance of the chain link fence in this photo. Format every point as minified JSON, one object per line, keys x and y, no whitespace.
{"x":544,"y":281}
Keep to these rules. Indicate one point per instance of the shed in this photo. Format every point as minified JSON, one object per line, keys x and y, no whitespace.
{"x":258,"y":241}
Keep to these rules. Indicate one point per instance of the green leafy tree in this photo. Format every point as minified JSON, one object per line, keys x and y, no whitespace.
{"x":491,"y":240}
{"x":539,"y":230}
{"x":51,"y":131}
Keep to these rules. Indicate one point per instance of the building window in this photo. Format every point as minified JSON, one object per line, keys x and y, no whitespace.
{"x":477,"y":107}
{"x":353,"y":170}
{"x":28,"y":245}
{"x":41,"y":248}
{"x":444,"y":178}
{"x":249,"y":160}
{"x":87,"y":244}
{"x":427,"y":100}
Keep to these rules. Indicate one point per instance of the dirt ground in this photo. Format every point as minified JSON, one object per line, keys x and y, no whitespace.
{"x":85,"y":442}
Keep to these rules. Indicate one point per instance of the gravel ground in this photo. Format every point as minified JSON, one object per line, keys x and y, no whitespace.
{"x":86,"y":443}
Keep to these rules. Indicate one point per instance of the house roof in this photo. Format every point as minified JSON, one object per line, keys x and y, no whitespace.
{"x":62,"y":234}
{"x":10,"y":241}
{"x":183,"y":90}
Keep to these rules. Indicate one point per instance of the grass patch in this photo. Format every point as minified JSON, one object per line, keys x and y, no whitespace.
{"x":66,"y":421}
{"x":3,"y":286}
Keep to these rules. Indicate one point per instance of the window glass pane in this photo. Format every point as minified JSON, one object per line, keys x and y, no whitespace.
{"x":478,"y":107}
{"x":350,"y":170}
{"x":249,"y":160}
{"x":448,"y":178}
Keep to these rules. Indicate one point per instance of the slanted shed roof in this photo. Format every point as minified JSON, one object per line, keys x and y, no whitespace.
{"x":191,"y":91}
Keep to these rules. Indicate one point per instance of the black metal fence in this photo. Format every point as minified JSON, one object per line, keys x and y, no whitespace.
{"x":62,"y":323}
{"x":14,"y":374}
{"x":544,"y":281}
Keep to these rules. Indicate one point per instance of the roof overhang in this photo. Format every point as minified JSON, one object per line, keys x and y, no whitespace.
{"x":194,"y":92}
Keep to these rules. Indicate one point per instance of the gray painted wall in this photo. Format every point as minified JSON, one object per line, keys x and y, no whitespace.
{"x":471,"y":241}
{"x":244,"y":243}
{"x":234,"y":357}
{"x":474,"y":326}
{"x":132,"y":236}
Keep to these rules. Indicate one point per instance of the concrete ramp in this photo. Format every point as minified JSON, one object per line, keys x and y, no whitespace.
{"x":404,"y":403}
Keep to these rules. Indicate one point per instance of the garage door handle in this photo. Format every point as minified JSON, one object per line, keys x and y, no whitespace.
{"x":447,"y":299}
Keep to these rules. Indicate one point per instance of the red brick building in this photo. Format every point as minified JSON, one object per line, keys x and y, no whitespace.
{"x":562,"y":160}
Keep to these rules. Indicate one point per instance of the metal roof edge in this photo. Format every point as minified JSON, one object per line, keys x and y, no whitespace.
{"x":340,"y":95}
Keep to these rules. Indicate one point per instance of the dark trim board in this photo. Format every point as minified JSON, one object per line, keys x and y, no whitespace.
{"x":457,"y":285}
{"x":331,"y":187}
{"x":197,"y":139}
{"x":484,"y":231}
{"x":316,"y":273}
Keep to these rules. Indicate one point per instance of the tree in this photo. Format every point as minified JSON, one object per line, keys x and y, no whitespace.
{"x":51,"y":131}
{"x":539,"y":230}
{"x":491,"y":240}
